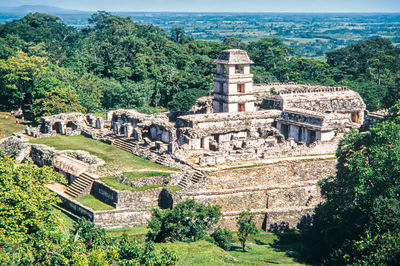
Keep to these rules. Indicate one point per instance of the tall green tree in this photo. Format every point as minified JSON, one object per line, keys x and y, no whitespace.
{"x":17,"y":77}
{"x":58,"y":100}
{"x":360,"y":212}
{"x":25,"y":204}
{"x":268,"y":52}
{"x":246,"y":227}
{"x":375,"y":62}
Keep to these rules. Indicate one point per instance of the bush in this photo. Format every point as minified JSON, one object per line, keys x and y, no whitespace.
{"x":187,"y":221}
{"x":222,"y":238}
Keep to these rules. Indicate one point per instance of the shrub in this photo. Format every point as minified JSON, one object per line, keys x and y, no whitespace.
{"x":187,"y":221}
{"x":223,"y":238}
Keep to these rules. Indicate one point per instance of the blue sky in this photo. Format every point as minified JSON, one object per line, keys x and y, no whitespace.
{"x":220,"y":5}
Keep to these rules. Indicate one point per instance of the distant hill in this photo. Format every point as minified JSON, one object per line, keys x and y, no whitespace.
{"x":25,"y":9}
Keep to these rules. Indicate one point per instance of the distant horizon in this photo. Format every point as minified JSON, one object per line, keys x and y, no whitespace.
{"x":212,"y":12}
{"x":221,"y":6}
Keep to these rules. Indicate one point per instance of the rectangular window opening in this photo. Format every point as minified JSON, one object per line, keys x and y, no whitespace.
{"x":242,"y":107}
{"x":240,"y":88}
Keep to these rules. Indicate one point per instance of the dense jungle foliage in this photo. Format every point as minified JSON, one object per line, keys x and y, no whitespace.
{"x":47,"y":67}
{"x":359,"y":221}
{"x":32,"y":233}
{"x":117,"y":63}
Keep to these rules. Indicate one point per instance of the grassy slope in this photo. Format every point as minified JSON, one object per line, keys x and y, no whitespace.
{"x":64,"y":220}
{"x":9,"y":124}
{"x":113,"y":156}
{"x":94,"y":203}
{"x":206,"y":253}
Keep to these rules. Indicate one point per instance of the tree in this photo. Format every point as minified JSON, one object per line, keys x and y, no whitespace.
{"x":26,"y":205}
{"x":233,"y":42}
{"x":375,"y":62}
{"x":188,"y":220}
{"x":268,"y":52}
{"x":18,"y":74}
{"x":303,"y":70}
{"x":360,"y":213}
{"x":91,"y":235}
{"x":130,"y":253}
{"x":185,"y":100}
{"x":59,"y":100}
{"x":246,"y":226}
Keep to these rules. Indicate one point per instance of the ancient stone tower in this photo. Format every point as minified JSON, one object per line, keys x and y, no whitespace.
{"x":233,"y":83}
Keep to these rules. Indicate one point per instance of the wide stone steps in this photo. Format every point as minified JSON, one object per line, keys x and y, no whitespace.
{"x":80,"y":184}
{"x":161,"y":159}
{"x":192,"y":177}
{"x":132,"y":146}
{"x":185,"y":180}
{"x":123,"y":145}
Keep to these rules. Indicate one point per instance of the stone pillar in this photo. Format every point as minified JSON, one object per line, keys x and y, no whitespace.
{"x":109,"y":115}
{"x":90,"y":119}
{"x":99,"y":123}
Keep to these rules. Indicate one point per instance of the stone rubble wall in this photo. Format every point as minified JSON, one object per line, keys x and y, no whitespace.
{"x":16,"y":147}
{"x":263,"y":150}
{"x":170,"y":180}
{"x":122,"y":218}
{"x":276,"y":193}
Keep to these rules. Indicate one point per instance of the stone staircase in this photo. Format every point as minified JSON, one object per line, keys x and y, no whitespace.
{"x":191,"y":176}
{"x":197,"y":176}
{"x":80,"y":185}
{"x":123,"y":144}
{"x":185,"y":180}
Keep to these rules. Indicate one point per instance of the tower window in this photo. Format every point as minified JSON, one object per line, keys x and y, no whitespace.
{"x":241,"y":88}
{"x":239,"y":69}
{"x":241,"y":107}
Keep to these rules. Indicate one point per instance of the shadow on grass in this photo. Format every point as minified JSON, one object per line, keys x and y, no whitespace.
{"x":292,"y":243}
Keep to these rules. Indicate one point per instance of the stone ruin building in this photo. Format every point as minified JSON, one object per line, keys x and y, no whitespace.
{"x":274,"y":128}
{"x":243,"y":121}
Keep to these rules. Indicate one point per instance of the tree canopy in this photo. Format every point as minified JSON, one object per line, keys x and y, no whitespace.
{"x":360,"y":217}
{"x":117,"y":63}
{"x":25,"y":204}
{"x":188,"y":220}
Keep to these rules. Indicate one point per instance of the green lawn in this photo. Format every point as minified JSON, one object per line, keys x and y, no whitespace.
{"x":93,"y":203}
{"x":135,"y":176}
{"x":206,"y":253}
{"x":9,"y":124}
{"x":114,"y":183}
{"x":130,"y":231}
{"x":114,"y":157}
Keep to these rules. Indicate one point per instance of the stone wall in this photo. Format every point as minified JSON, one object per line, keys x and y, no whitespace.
{"x":262,"y":151}
{"x":122,"y":218}
{"x":126,"y":199}
{"x":276,"y":193}
{"x":110,"y":218}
